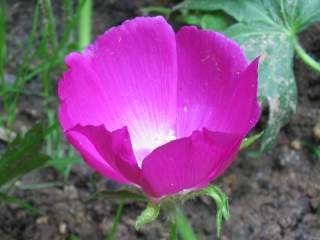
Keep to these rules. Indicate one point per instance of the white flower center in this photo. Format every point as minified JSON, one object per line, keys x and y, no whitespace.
{"x":161,"y":139}
{"x":146,"y":144}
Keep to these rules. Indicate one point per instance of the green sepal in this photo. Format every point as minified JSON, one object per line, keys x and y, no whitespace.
{"x":222,"y":203}
{"x":220,"y":199}
{"x":248,"y":141}
{"x":147,"y":215}
{"x":152,"y":210}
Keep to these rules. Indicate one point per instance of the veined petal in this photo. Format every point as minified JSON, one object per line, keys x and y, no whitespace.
{"x":114,"y":147}
{"x":214,"y":88}
{"x":186,"y":163}
{"x":100,"y":163}
{"x":81,"y":94}
{"x":128,"y":77}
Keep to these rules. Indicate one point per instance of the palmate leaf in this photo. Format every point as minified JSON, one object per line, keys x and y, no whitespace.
{"x":301,"y":13}
{"x":23,"y":155}
{"x":241,"y":10}
{"x":268,"y":28}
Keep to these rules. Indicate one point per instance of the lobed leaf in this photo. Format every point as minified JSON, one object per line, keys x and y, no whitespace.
{"x":241,"y":10}
{"x":301,"y":13}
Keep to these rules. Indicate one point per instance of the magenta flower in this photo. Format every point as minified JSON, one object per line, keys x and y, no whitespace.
{"x":162,"y":111}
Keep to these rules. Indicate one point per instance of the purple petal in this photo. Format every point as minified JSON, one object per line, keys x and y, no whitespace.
{"x":215,"y":88}
{"x":186,"y":163}
{"x":81,"y":138}
{"x":128,"y":77}
{"x":115,"y":148}
{"x":81,"y":94}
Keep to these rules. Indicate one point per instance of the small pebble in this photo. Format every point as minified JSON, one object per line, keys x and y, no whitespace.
{"x":63,"y":228}
{"x":42,"y":220}
{"x":296,"y":145}
{"x":316,"y":131}
{"x":71,"y":192}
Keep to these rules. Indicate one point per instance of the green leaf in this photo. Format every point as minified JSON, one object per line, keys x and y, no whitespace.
{"x":159,"y":10}
{"x":23,"y":155}
{"x":314,"y":149}
{"x":73,"y":237}
{"x":147,"y":215}
{"x":241,"y":10}
{"x":37,"y":186}
{"x":217,"y":21}
{"x":301,"y":13}
{"x":19,"y":202}
{"x":190,"y":19}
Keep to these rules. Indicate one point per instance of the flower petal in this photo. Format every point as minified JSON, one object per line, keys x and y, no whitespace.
{"x":81,"y":94}
{"x":109,"y":153}
{"x":128,"y":77}
{"x":187,"y":163}
{"x":214,"y":88}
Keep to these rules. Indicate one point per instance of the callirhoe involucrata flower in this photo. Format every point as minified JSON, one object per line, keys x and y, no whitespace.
{"x":160,"y":110}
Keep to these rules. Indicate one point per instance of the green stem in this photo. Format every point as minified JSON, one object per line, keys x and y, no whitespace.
{"x":85,"y":24}
{"x":173,"y":230}
{"x":3,"y":55}
{"x":305,"y":57}
{"x":116,"y":222}
{"x":50,"y":22}
{"x":171,"y":211}
{"x":184,"y":228}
